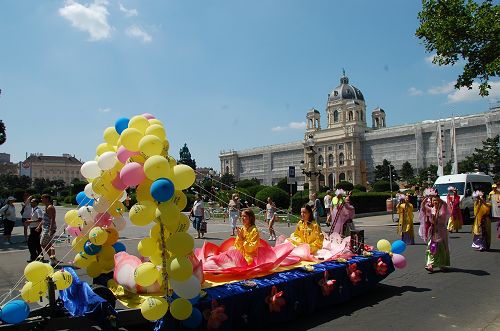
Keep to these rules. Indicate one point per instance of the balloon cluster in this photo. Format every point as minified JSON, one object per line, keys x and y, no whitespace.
{"x":135,"y":154}
{"x":395,"y":249}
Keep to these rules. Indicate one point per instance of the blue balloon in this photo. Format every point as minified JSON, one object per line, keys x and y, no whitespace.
{"x":119,"y":247}
{"x":192,"y":300}
{"x":90,"y":248}
{"x":121,"y":124}
{"x":83,"y":200}
{"x":162,"y":189}
{"x":194,"y":320}
{"x":15,"y":312}
{"x":398,"y":247}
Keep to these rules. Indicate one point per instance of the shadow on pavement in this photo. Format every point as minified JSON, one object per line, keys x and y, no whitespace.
{"x":469,"y":271}
{"x":371,"y":298}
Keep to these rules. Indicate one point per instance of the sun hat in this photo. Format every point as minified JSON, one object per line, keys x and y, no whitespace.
{"x":11,"y":198}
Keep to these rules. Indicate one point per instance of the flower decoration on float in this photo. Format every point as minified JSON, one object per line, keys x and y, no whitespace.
{"x":395,"y":250}
{"x":327,"y":285}
{"x":275,"y":300}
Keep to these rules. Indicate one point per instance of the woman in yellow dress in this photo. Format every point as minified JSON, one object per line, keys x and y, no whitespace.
{"x":482,"y":223}
{"x":247,"y":238}
{"x":307,"y":231}
{"x":405,"y":225}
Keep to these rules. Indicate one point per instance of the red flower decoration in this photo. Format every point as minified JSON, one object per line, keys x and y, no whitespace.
{"x":381,"y":267}
{"x":353,"y":273}
{"x":215,"y":316}
{"x":327,"y":285}
{"x":368,"y":248}
{"x":275,"y":300}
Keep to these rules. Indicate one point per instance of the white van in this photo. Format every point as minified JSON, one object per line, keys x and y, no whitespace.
{"x":465,"y":184}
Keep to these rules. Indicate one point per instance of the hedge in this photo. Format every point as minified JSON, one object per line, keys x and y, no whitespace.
{"x":279,"y":196}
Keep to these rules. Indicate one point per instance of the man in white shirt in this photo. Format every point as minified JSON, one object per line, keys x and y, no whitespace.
{"x":26,"y":213}
{"x":327,"y":201}
{"x":9,"y":213}
{"x":198,"y":212}
{"x":33,"y":222}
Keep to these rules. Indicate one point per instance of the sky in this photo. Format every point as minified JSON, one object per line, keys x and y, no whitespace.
{"x":221,"y":75}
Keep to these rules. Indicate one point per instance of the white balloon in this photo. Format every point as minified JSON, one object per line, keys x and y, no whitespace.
{"x":101,"y":205}
{"x":90,"y":170}
{"x":187,"y":289}
{"x":124,"y":196}
{"x":89,"y":192}
{"x":107,"y":160}
{"x":87,"y":213}
{"x":119,"y":223}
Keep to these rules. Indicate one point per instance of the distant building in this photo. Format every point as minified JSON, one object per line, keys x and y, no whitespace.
{"x":65,"y":167}
{"x":7,"y":167}
{"x":347,"y":149}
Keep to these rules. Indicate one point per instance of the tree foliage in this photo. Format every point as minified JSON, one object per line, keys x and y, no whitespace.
{"x":345,"y":185}
{"x":463,"y":29}
{"x":185,"y":157}
{"x":3,"y":134}
{"x":246,"y":183}
{"x":228,"y":180}
{"x":407,"y":172}
{"x":382,"y":171}
{"x":487,"y":158}
{"x":279,"y":196}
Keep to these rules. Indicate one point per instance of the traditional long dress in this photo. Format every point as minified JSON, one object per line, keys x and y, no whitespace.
{"x":405,"y":225}
{"x":342,"y":216}
{"x":455,"y":222}
{"x":438,"y":252}
{"x":482,"y":225}
{"x":249,"y":244}
{"x":308,"y":233}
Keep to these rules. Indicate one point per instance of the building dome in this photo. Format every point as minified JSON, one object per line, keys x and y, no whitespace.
{"x":346,"y":91}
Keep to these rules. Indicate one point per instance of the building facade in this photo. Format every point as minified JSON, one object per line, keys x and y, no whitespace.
{"x":65,"y":167}
{"x":348,"y":149}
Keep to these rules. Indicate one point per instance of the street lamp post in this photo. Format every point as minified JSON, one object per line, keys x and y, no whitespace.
{"x":310,"y":170}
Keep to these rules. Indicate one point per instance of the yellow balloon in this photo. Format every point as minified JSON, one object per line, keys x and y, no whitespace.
{"x":106,"y":253}
{"x":169,"y":215}
{"x":183,"y":176}
{"x":98,"y":236}
{"x":50,"y":269}
{"x":181,"y":309}
{"x":111,"y":136}
{"x":155,"y":230}
{"x":184,"y":223}
{"x":107,"y":265}
{"x":166,"y":146}
{"x":156,"y":167}
{"x":180,"y":199}
{"x":179,"y":268}
{"x":78,"y":243}
{"x":156,"y":130}
{"x":103,"y":148}
{"x":139,"y":122}
{"x":72,"y":219}
{"x":147,"y":246}
{"x":94,"y":269}
{"x":137,"y":158}
{"x":156,"y":121}
{"x":143,"y":191}
{"x":36,"y":271}
{"x":143,"y":213}
{"x":112,"y":236}
{"x":172,"y":162}
{"x":146,"y":274}
{"x":117,"y":209}
{"x":157,"y":259}
{"x":32,"y":291}
{"x":130,"y":138}
{"x":384,"y":245}
{"x":154,"y":308}
{"x":150,"y":145}
{"x":62,"y":279}
{"x":180,"y":244}
{"x":83,"y":260}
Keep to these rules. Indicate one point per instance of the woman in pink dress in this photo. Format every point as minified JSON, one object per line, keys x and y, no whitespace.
{"x":453,"y":201}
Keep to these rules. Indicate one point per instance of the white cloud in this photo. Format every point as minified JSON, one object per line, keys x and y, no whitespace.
{"x":128,"y":12}
{"x":443,"y":89}
{"x":464,"y":94}
{"x":414,"y":91}
{"x":104,"y":110}
{"x":91,"y":18}
{"x":291,"y":125}
{"x":136,"y":32}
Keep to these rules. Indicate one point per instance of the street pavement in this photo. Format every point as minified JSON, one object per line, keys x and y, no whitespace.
{"x":464,"y":298}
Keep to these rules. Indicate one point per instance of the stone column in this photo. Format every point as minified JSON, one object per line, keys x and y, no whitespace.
{"x":311,"y":168}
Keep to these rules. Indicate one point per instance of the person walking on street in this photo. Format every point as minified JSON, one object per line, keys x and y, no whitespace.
{"x":328,"y":205}
{"x":453,"y":201}
{"x":405,"y":224}
{"x":271,"y":217}
{"x":316,"y":207}
{"x":33,"y":222}
{"x":9,"y":213}
{"x":198,"y":213}
{"x":48,"y":229}
{"x":26,"y":213}
{"x":482,"y":223}
{"x":234,"y":211}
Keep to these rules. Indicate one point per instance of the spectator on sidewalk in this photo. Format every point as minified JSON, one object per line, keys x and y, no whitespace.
{"x":33,"y":222}
{"x":9,"y":213}
{"x":26,"y":213}
{"x":234,"y":212}
{"x":48,"y":228}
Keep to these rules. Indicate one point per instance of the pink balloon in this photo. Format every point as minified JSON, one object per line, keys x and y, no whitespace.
{"x":103,"y":219}
{"x":118,"y":184}
{"x":123,"y":154}
{"x":73,"y":231}
{"x":398,"y":260}
{"x":148,"y":116}
{"x":132,"y":174}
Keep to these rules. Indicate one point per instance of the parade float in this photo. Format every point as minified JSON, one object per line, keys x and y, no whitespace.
{"x":171,"y":284}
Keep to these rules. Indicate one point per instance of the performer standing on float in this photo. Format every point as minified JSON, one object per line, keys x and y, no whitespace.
{"x":453,"y":200}
{"x":435,"y":215}
{"x":405,"y":224}
{"x":307,"y":231}
{"x":482,"y":222}
{"x":247,"y":238}
{"x":342,"y":214}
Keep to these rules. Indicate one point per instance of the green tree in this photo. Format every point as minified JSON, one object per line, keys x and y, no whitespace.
{"x":3,"y":134}
{"x":382,"y":171}
{"x":345,"y":185}
{"x":463,"y":29}
{"x":228,"y":180}
{"x":425,"y":174}
{"x":407,"y":172}
{"x":447,"y":167}
{"x":246,"y":183}
{"x":486,"y":159}
{"x":185,"y":157}
{"x":283,"y":184}
{"x":279,"y":196}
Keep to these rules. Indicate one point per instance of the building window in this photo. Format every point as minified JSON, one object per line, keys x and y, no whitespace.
{"x":341,"y":146}
{"x":336,"y":116}
{"x":341,"y":159}
{"x":330,"y":148}
{"x":341,"y":176}
{"x":357,"y":115}
{"x":320,"y":160}
{"x":350,"y":116}
{"x":319,"y":149}
{"x":330,"y":160}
